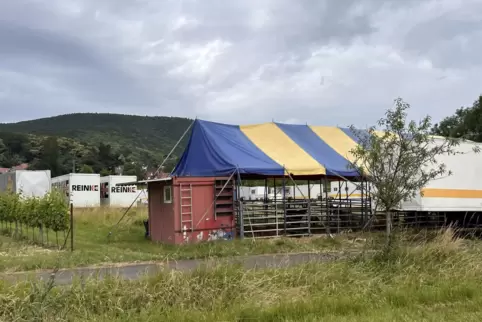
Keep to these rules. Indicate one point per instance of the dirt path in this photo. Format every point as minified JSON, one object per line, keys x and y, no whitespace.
{"x":134,"y":271}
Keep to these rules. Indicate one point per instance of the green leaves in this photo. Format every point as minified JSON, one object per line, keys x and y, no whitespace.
{"x":401,"y":158}
{"x":465,"y":123}
{"x":86,"y":169}
{"x":97,"y":140}
{"x":51,"y":211}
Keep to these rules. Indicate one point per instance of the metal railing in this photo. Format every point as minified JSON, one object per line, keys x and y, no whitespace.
{"x":263,"y":219}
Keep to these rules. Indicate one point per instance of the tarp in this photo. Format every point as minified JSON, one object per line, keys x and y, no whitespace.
{"x":268,"y":149}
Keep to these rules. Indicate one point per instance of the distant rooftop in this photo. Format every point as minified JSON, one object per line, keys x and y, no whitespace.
{"x":22,"y":166}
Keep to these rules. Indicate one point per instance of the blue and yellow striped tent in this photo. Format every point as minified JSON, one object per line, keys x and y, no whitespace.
{"x":268,"y":149}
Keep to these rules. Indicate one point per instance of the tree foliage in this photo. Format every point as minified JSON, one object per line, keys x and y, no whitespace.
{"x":49,"y":156}
{"x":133,"y":169}
{"x":400,"y":157}
{"x":465,"y":123}
{"x":107,"y":143}
{"x":86,"y":169}
{"x":51,"y":211}
{"x":143,"y":139}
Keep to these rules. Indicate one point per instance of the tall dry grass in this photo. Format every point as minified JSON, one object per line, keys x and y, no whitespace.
{"x":437,"y":280}
{"x":102,"y":238}
{"x":108,"y":216}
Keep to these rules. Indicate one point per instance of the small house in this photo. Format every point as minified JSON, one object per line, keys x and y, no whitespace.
{"x":190,"y":209}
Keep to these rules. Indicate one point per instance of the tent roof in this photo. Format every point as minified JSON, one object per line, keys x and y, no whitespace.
{"x":268,"y":149}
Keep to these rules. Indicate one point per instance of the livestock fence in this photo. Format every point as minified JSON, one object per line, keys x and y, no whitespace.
{"x":264,"y":219}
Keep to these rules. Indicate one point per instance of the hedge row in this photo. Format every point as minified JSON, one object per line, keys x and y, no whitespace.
{"x":51,"y":211}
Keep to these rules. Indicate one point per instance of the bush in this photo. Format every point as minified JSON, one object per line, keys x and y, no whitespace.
{"x":51,"y":211}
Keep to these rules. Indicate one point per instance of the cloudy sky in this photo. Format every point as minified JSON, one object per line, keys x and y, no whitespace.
{"x":244,"y":61}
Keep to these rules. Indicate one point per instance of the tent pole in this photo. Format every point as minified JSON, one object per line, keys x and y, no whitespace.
{"x":327,"y":207}
{"x":284,"y":204}
{"x":309,"y":190}
{"x":322,"y":190}
{"x":275,"y":206}
{"x":309,"y":208}
{"x":240,"y":208}
{"x":172,"y":150}
{"x":265,"y":193}
{"x":362,"y":203}
{"x":367,"y":197}
{"x":346,"y":179}
{"x":296,"y":186}
{"x":339,"y":205}
{"x":294,"y":190}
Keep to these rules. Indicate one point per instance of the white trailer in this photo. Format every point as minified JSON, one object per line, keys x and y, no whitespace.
{"x":303,"y":191}
{"x":113,"y":194}
{"x":346,"y":190}
{"x":27,"y":183}
{"x":459,"y":192}
{"x":278,"y":194}
{"x":256,"y":193}
{"x":244,"y":192}
{"x":81,"y":189}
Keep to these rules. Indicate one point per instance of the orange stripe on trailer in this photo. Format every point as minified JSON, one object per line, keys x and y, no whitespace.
{"x":343,"y":196}
{"x":451,"y":193}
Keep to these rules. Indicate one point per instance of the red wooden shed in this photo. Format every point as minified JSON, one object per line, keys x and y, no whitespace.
{"x":186,"y":209}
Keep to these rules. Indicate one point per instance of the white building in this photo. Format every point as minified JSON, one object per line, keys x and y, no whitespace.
{"x":28,"y":183}
{"x":82,"y":189}
{"x":114,"y":195}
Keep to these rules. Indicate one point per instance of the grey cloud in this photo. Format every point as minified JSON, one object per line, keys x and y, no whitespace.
{"x":288,"y":25}
{"x":117,"y":56}
{"x":72,"y":62}
{"x":19,"y":43}
{"x":450,"y":43}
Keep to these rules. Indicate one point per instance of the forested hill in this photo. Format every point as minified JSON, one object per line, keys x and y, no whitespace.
{"x":151,"y":133}
{"x":96,"y":139}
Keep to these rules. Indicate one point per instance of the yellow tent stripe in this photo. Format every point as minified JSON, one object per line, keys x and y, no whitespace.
{"x":270,"y":139}
{"x":337,"y":140}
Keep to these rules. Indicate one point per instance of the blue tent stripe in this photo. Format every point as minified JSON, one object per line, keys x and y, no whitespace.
{"x":216,"y":149}
{"x":303,"y":135}
{"x":355,"y":136}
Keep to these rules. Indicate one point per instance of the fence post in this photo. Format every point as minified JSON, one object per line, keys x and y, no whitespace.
{"x":241,"y":219}
{"x":71,"y":227}
{"x":328,"y":221}
{"x":284,"y":205}
{"x":309,"y":216}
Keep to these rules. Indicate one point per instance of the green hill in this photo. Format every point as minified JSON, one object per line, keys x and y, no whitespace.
{"x":141,"y":133}
{"x":142,"y":139}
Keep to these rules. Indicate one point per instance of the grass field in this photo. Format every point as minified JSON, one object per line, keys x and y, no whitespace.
{"x":433,"y":281}
{"x":95,"y":246}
